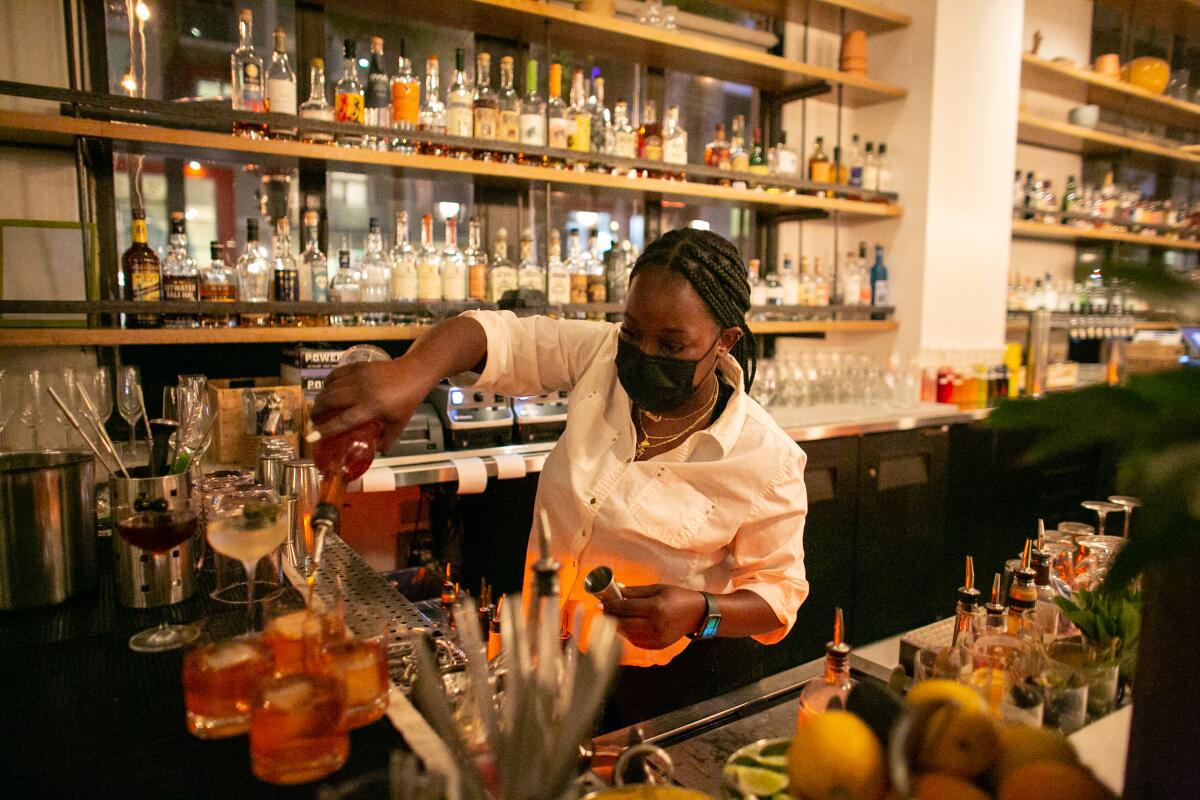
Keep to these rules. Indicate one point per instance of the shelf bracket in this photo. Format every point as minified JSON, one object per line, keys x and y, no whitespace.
{"x":775,"y":100}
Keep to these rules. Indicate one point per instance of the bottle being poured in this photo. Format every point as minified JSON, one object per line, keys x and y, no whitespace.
{"x":340,"y":458}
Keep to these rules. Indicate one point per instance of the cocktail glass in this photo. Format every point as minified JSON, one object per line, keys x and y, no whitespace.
{"x":296,"y":730}
{"x":158,"y":532}
{"x":247,"y":526}
{"x":220,"y":685}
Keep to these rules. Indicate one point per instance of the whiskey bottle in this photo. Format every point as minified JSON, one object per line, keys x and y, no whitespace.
{"x":509,"y":104}
{"x":716,"y":152}
{"x":316,"y":107}
{"x":180,"y":278}
{"x":248,"y":80}
{"x":818,"y":163}
{"x":830,"y":690}
{"x":650,"y":143}
{"x":503,"y":275}
{"x":675,"y":141}
{"x":739,"y":157}
{"x":348,"y":100}
{"x":476,"y":260}
{"x":281,"y":85}
{"x":218,"y":284}
{"x":624,"y":135}
{"x":140,"y":265}
{"x":530,"y":274}
{"x":579,"y":132}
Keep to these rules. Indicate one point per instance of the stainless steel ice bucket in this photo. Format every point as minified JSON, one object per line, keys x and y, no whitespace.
{"x":47,"y":527}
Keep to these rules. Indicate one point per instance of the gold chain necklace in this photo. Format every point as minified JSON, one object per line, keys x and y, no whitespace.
{"x":660,"y":418}
{"x":645,"y":439}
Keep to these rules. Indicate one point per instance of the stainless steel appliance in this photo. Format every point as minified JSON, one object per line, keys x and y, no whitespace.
{"x":423,"y":434}
{"x":473,"y":419}
{"x":542,"y":418}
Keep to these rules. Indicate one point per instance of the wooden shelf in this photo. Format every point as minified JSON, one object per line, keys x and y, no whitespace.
{"x":631,"y":41}
{"x":826,"y":14}
{"x":108,"y":337}
{"x":54,"y":129}
{"x":1053,"y":232}
{"x":1056,"y":135}
{"x":1043,"y":75}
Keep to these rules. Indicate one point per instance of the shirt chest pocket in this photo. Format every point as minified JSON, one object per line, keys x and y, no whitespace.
{"x":670,"y":510}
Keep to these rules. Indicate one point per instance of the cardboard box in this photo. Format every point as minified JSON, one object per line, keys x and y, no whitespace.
{"x":250,"y":408}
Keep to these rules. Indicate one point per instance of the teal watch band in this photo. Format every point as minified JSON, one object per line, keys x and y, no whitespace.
{"x":712,"y":619}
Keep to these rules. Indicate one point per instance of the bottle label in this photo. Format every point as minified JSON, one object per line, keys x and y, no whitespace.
{"x":559,"y":288}
{"x":459,"y":121}
{"x":626,"y":144}
{"x":178,"y":288}
{"x":579,"y":136}
{"x":533,"y":130}
{"x":349,"y":108}
{"x":856,"y":176}
{"x":320,"y":285}
{"x":579,"y":288}
{"x":510,"y":126}
{"x":218,"y":293}
{"x":454,"y":282}
{"x":429,"y":283}
{"x":379,"y":93}
{"x":559,"y":132}
{"x":652,"y":148}
{"x":881,"y":293}
{"x":282,"y":96}
{"x":486,"y":123}
{"x":531,"y":278}
{"x":788,"y":163}
{"x":597,"y":289}
{"x":252,"y":87}
{"x":819,"y":172}
{"x":287,"y":285}
{"x":477,"y":282}
{"x":404,"y":282}
{"x":406,"y":96}
{"x":675,"y":151}
{"x":503,"y":279}
{"x":144,"y":283}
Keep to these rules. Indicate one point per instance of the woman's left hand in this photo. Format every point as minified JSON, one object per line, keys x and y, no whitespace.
{"x":654,"y":617}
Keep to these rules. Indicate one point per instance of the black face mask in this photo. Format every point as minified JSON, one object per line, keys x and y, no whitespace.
{"x":656,"y":383}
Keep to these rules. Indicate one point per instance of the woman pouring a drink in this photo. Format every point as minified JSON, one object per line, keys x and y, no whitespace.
{"x":668,"y":472}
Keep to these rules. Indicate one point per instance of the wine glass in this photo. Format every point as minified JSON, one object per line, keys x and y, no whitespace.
{"x":101,"y":394}
{"x":1124,"y":501}
{"x":62,"y":381}
{"x":246,"y":526}
{"x":8,"y":404}
{"x":33,"y":405}
{"x":129,"y":389}
{"x":1102,"y":508}
{"x":158,"y":532}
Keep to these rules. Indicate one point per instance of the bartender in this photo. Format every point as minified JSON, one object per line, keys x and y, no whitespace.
{"x":667,"y":472}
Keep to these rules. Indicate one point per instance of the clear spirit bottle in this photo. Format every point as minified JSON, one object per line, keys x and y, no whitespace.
{"x":281,"y":85}
{"x":314,"y":269}
{"x":487,"y":106}
{"x":577,"y":267}
{"x":432,"y":117}
{"x":857,"y":163}
{"x":454,"y":270}
{"x":285,"y":277}
{"x":558,"y":277}
{"x":316,"y":107}
{"x":579,"y":132}
{"x":254,"y":275}
{"x":602,"y":128}
{"x":1049,"y":622}
{"x":377,"y":97}
{"x":794,"y":286}
{"x":404,"y":270}
{"x":597,"y":283}
{"x":883,"y":178}
{"x":345,"y":287}
{"x":375,"y":275}
{"x":218,"y":284}
{"x":460,"y":104}
{"x":180,"y":278}
{"x":820,"y":284}
{"x":758,"y":286}
{"x":429,"y":265}
{"x":624,"y":135}
{"x":509,"y":104}
{"x":530,"y":274}
{"x":830,"y":690}
{"x":784,"y":161}
{"x":559,"y":122}
{"x":675,"y":141}
{"x":533,"y":113}
{"x":870,"y":169}
{"x":503,"y":275}
{"x":650,"y":143}
{"x":248,"y":78}
{"x":476,"y":260}
{"x":348,"y":101}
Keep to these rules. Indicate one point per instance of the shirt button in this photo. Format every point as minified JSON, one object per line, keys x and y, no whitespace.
{"x":592,"y":501}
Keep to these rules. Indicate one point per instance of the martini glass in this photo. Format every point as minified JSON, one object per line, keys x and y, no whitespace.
{"x":246,"y":526}
{"x":158,"y":532}
{"x":1129,"y":504}
{"x":1102,"y":508}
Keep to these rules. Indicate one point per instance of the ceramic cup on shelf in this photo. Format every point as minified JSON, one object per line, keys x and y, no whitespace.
{"x":854,"y":52}
{"x":1084,"y":116}
{"x":1108,"y":65}
{"x":1151,"y":74}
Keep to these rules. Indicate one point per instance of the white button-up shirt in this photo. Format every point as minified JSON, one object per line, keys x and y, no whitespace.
{"x":723,"y":511}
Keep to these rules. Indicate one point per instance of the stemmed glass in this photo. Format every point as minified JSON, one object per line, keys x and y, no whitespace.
{"x":1124,"y":501}
{"x":246,"y":526}
{"x":62,"y":381}
{"x":129,"y":389}
{"x":1102,"y":508}
{"x":101,"y":394}
{"x":8,"y":404}
{"x":32,"y":405}
{"x":158,"y":532}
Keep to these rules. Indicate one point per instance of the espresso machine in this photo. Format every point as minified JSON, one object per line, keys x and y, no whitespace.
{"x":472,"y":419}
{"x":542,"y":418}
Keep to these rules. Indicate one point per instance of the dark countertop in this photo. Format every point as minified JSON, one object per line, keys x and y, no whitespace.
{"x":84,"y":716}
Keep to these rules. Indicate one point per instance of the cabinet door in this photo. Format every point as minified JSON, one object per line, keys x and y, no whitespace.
{"x":831,"y":477}
{"x":901,"y":521}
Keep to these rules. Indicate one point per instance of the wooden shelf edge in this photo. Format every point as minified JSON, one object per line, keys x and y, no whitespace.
{"x":60,"y":126}
{"x":1055,"y":232}
{"x":1035,"y":122}
{"x":825,"y":13}
{"x":825,"y":326}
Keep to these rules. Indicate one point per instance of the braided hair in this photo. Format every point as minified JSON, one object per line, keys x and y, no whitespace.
{"x":712,"y":265}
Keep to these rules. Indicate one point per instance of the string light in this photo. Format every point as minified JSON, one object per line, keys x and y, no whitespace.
{"x":129,"y":83}
{"x":143,"y":11}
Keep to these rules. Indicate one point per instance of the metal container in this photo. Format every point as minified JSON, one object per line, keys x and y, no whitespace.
{"x":301,"y":482}
{"x":146,"y":579}
{"x":47,"y":527}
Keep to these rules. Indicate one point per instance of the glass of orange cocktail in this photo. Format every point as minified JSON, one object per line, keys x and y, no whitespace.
{"x":220,"y":685}
{"x":296,"y":729}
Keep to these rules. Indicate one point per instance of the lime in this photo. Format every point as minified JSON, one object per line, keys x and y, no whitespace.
{"x":779,"y":764}
{"x":758,"y":782}
{"x":260,"y":512}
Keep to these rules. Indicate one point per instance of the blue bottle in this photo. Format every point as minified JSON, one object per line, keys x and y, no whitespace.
{"x":880,"y":295}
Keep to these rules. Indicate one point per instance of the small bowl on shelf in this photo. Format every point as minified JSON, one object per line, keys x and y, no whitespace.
{"x":1084,"y":116}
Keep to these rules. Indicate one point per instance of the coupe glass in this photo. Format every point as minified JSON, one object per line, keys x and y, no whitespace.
{"x":246,"y":526}
{"x":33,"y":402}
{"x":1129,"y":504}
{"x":1102,"y":508}
{"x":129,"y":404}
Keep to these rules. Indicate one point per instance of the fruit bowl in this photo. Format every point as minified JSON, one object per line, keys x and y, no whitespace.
{"x":757,"y":771}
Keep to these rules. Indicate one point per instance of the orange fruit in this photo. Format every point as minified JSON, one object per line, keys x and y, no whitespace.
{"x":1021,"y":745}
{"x":940,"y":786}
{"x":1051,"y":780}
{"x":959,"y":741}
{"x":835,"y":756}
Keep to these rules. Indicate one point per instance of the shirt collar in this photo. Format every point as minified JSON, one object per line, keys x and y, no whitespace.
{"x":728,"y":426}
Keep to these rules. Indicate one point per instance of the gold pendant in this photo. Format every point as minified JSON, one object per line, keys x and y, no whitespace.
{"x":652,"y":417}
{"x":642,"y":445}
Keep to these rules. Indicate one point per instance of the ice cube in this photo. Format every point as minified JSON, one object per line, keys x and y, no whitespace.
{"x":291,"y":693}
{"x":229,"y":654}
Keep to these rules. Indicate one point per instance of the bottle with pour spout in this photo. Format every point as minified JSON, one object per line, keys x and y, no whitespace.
{"x":829,"y":691}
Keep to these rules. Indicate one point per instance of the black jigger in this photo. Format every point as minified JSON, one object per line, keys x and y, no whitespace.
{"x":161,"y":431}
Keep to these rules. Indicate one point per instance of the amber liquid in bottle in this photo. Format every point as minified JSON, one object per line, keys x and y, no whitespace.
{"x":142,"y":275}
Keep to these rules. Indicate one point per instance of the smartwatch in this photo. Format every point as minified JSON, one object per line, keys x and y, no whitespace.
{"x":712,"y":619}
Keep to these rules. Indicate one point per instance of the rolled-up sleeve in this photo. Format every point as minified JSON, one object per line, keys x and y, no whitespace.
{"x":536,"y":355}
{"x":768,"y":549}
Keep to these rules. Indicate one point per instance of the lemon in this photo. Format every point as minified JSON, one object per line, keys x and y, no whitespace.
{"x":757,"y":782}
{"x":836,"y":755}
{"x":945,"y":690}
{"x":958,"y":741}
{"x":1021,"y":745}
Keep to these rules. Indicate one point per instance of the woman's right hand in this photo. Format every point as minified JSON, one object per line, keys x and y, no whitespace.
{"x":385,"y":391}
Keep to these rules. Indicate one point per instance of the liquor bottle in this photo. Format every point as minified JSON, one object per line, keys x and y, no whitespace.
{"x":1018,"y":193}
{"x":579,"y":129}
{"x":995,"y":613}
{"x":650,"y":144}
{"x":449,"y":591}
{"x":285,"y":277}
{"x":281,"y":85}
{"x":486,"y":105}
{"x":603,"y":135}
{"x":1070,"y":198}
{"x":830,"y":690}
{"x":818,"y":163}
{"x":1029,"y":203}
{"x":375,"y":275}
{"x":758,"y":161}
{"x":784,"y":161}
{"x":864,"y":272}
{"x":675,"y":140}
{"x":1022,"y":598}
{"x":883,"y":177}
{"x":246,"y":67}
{"x":316,"y":107}
{"x":577,"y":267}
{"x":460,"y":103}
{"x":377,"y":96}
{"x":793,"y":287}
{"x":870,"y":169}
{"x":739,"y":159}
{"x":180,"y":279}
{"x":856,"y":163}
{"x":494,"y":638}
{"x":967,"y":614}
{"x":432,"y":117}
{"x":1045,"y":609}
{"x":476,"y":261}
{"x":404,"y":269}
{"x":218,"y":284}
{"x":558,"y":277}
{"x":313,"y":263}
{"x":533,"y":112}
{"x":454,"y":271}
{"x":880,"y":293}
{"x":758,"y":287}
{"x":559,"y":122}
{"x":716,"y":152}
{"x":429,"y":265}
{"x":509,"y":104}
{"x":597,"y":282}
{"x":624,"y":136}
{"x":618,"y":263}
{"x":530,"y":274}
{"x":503,"y":275}
{"x":348,"y":101}
{"x":840,"y":171}
{"x":345,"y":287}
{"x":820,"y":284}
{"x":254,"y":275}
{"x":406,"y":100}
{"x":774,"y":296}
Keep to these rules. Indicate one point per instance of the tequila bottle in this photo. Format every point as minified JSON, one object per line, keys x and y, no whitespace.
{"x":830,"y":690}
{"x":429,"y":265}
{"x":248,"y":80}
{"x":345,"y":287}
{"x":281,"y":85}
{"x":348,"y":101}
{"x":404,"y":269}
{"x":476,"y":260}
{"x":218,"y":284}
{"x":376,"y":276}
{"x":503,"y":275}
{"x":454,"y":270}
{"x":432,"y":117}
{"x":316,"y":107}
{"x":530,"y":274}
{"x":180,"y":278}
{"x":254,"y":275}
